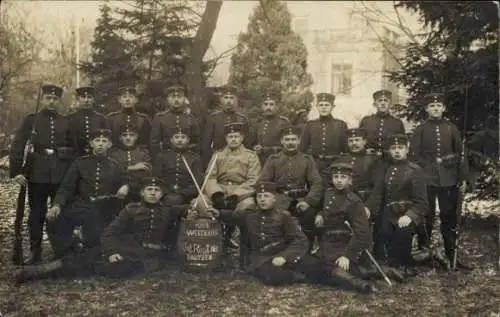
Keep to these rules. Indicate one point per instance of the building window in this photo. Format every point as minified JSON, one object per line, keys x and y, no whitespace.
{"x":342,"y":79}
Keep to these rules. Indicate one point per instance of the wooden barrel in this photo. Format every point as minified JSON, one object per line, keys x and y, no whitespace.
{"x":200,"y":244}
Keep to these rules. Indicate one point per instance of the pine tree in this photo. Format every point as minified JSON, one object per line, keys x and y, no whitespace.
{"x":112,"y":60}
{"x":269,"y":54}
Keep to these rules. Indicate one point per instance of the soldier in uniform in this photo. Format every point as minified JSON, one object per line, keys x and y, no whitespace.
{"x":364,"y":164}
{"x":133,"y":158}
{"x":268,"y":130}
{"x":345,"y":226}
{"x":135,"y":242}
{"x":214,"y":137}
{"x":90,"y":195}
{"x":236,"y":170}
{"x":279,"y":248}
{"x":399,"y":203}
{"x":299,"y":182}
{"x":324,"y":137}
{"x":49,"y":160}
{"x":382,"y":124}
{"x":179,"y":188}
{"x":129,"y":116}
{"x":168,"y":122}
{"x":85,"y":120}
{"x":437,"y":147}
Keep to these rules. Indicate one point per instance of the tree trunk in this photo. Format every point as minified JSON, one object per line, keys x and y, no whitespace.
{"x":199,"y":47}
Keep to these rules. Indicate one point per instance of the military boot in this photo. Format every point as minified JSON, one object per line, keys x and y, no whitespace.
{"x":33,"y":272}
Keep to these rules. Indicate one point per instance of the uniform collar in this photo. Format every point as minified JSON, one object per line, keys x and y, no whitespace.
{"x":49,"y":111}
{"x":271,"y":116}
{"x":399,"y":163}
{"x":360,"y":153}
{"x":435,"y":120}
{"x":235,"y":151}
{"x":326,"y":118}
{"x":291,"y":153}
{"x":128,"y":111}
{"x":382,"y":114}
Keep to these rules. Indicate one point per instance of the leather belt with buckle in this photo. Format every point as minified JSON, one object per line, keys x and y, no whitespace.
{"x":45,"y":151}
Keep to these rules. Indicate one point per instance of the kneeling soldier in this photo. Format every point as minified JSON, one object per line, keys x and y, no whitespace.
{"x":135,"y":241}
{"x":399,"y":203}
{"x":279,"y":248}
{"x":134,"y":159}
{"x":98,"y":183}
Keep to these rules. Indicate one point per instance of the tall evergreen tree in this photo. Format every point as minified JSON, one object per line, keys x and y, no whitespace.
{"x":112,"y":60}
{"x":269,"y":54}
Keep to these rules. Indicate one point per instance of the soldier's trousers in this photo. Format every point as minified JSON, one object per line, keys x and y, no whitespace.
{"x":314,"y":269}
{"x":447,"y":198}
{"x":178,"y":206}
{"x":92,"y":217}
{"x":38,"y":195}
{"x":397,"y":244}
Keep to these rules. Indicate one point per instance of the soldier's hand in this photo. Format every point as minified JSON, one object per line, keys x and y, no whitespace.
{"x":115,"y":258}
{"x":122,"y":192}
{"x":404,"y":221}
{"x":343,"y":263}
{"x":21,"y":180}
{"x":257,"y":148}
{"x":368,"y":212}
{"x":279,"y":261}
{"x":141,"y":166}
{"x":439,"y":160}
{"x":302,"y":206}
{"x":319,"y":222}
{"x":53,"y":212}
{"x":214,"y":212}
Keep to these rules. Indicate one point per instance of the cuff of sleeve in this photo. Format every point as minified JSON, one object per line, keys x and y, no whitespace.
{"x":312,"y":202}
{"x":414,"y":216}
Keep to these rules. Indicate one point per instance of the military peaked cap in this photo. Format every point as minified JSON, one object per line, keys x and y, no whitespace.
{"x":382,"y":93}
{"x":357,"y":132}
{"x":325,"y":96}
{"x":265,"y":187}
{"x":290,"y":130}
{"x":85,"y":91}
{"x":98,"y":133}
{"x":151,"y":181}
{"x":175,"y":88}
{"x":127,"y":88}
{"x":434,"y":97}
{"x":397,"y":139}
{"x":233,"y":127}
{"x":229,"y":89}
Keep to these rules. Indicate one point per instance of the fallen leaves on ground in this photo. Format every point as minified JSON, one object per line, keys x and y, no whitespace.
{"x":176,"y":293}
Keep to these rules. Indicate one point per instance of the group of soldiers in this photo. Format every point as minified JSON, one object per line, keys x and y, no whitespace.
{"x":312,"y":202}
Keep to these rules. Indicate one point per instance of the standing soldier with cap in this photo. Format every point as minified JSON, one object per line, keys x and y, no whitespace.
{"x":168,"y":122}
{"x":324,"y":137}
{"x":268,"y":130}
{"x":89,"y":197}
{"x":236,"y":169}
{"x":436,"y":146}
{"x":299,"y":184}
{"x":382,"y":124}
{"x":128,"y":116}
{"x":399,"y":203}
{"x":85,"y":120}
{"x":214,"y":136}
{"x":278,"y":248}
{"x":52,"y":154}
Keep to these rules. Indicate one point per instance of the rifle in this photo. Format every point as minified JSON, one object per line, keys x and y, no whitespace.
{"x":17,"y":256}
{"x":462,"y":189}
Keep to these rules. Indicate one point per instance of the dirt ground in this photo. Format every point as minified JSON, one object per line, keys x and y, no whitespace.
{"x":176,"y":293}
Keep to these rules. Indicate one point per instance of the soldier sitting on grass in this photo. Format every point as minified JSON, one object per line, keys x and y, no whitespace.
{"x":135,"y":242}
{"x":278,"y":247}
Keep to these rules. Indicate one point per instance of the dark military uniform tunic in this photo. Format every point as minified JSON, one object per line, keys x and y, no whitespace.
{"x":82,"y":122}
{"x":47,"y":164}
{"x":297,"y":178}
{"x":378,"y":127}
{"x":364,"y":169}
{"x":401,"y":190}
{"x":167,"y":123}
{"x":170,"y":168}
{"x":214,"y":137}
{"x":271,"y":234}
{"x":129,"y":157}
{"x":432,"y":140}
{"x":87,"y":199}
{"x":324,"y":138}
{"x":338,"y":207}
{"x":137,"y":230}
{"x":268,"y":135}
{"x":120,"y":120}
